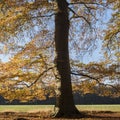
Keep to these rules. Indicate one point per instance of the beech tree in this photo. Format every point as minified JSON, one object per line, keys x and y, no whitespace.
{"x":19,"y":17}
{"x":112,"y":42}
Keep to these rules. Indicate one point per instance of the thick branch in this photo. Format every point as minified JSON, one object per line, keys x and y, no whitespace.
{"x":97,"y":79}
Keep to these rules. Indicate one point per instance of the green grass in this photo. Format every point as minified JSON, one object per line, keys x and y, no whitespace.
{"x":25,"y":108}
{"x":112,"y":108}
{"x":36,"y":108}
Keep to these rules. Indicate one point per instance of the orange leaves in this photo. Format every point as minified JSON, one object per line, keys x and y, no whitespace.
{"x":85,"y":87}
{"x":22,"y":70}
{"x":12,"y":17}
{"x":112,"y":33}
{"x":15,"y":14}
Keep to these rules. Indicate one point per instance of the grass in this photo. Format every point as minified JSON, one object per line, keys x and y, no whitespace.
{"x":36,"y":108}
{"x":112,"y":108}
{"x":25,"y":108}
{"x":40,"y":112}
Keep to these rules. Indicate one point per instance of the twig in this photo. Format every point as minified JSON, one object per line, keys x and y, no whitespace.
{"x":90,"y":3}
{"x":89,"y":10}
{"x":35,"y":81}
{"x":78,"y":16}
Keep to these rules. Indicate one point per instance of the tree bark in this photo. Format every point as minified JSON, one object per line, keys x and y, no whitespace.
{"x":65,"y":102}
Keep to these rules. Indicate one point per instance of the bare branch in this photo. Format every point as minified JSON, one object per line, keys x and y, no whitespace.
{"x":35,"y":81}
{"x":89,"y":3}
{"x":78,"y":16}
{"x":89,"y":10}
{"x":85,"y":75}
{"x":97,"y":79}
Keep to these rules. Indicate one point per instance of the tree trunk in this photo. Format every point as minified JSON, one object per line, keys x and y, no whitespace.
{"x":65,"y":102}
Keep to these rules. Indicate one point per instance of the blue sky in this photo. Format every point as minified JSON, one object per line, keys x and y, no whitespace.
{"x":95,"y":56}
{"x":4,"y":58}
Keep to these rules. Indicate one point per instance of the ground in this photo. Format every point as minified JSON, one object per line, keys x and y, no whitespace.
{"x":94,"y":115}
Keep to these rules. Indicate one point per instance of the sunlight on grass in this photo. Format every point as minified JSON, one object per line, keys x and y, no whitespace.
{"x":25,"y":108}
{"x":112,"y":108}
{"x":36,"y":108}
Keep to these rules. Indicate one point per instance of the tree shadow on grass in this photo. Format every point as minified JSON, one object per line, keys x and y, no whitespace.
{"x":95,"y":115}
{"x":86,"y":115}
{"x":102,"y":115}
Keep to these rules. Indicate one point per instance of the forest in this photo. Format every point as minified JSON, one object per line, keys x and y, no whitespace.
{"x":56,"y":48}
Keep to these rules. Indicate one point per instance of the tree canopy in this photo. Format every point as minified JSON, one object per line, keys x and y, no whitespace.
{"x":31,"y":33}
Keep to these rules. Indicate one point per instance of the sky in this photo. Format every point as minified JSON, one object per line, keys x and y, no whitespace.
{"x":4,"y":58}
{"x":95,"y":56}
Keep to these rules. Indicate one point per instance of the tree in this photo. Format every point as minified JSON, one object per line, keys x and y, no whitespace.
{"x":112,"y":36}
{"x":25,"y":14}
{"x":65,"y":101}
{"x":100,"y":78}
{"x":19,"y":75}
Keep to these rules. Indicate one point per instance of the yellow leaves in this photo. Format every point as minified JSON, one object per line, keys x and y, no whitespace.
{"x":113,"y":31}
{"x":105,"y":91}
{"x":117,"y":54}
{"x":5,"y":49}
{"x":22,"y":94}
{"x":113,"y":34}
{"x":86,"y":87}
{"x":12,"y":18}
{"x":24,"y":68}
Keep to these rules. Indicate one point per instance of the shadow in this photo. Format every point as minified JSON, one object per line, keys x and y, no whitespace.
{"x":86,"y":115}
{"x":103,"y":115}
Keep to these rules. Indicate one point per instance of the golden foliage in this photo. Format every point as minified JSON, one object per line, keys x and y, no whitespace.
{"x":25,"y":76}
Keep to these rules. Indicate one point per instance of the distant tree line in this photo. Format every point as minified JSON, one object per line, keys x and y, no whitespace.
{"x":79,"y":99}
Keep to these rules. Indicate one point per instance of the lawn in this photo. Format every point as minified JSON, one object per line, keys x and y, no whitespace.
{"x":112,"y":108}
{"x":36,"y":108}
{"x":41,"y":112}
{"x":25,"y":108}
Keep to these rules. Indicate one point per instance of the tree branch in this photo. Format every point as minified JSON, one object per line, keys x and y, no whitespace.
{"x":35,"y":81}
{"x":78,"y":16}
{"x":89,"y":10}
{"x":85,"y":75}
{"x":89,"y":3}
{"x":97,"y":79}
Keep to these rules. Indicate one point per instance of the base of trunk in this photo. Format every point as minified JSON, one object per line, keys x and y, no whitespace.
{"x":73,"y":113}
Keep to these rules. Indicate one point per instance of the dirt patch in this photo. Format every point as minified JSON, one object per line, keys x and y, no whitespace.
{"x":94,"y":115}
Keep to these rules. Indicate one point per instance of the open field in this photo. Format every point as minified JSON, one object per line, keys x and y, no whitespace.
{"x":112,"y":108}
{"x":41,"y":112}
{"x":37,"y":108}
{"x":25,"y":108}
